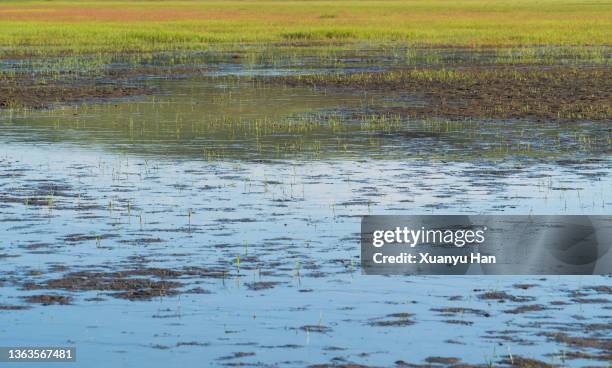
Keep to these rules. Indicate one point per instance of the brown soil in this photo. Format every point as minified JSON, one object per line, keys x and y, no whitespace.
{"x":591,"y":300}
{"x":348,"y":365}
{"x":583,"y":342}
{"x":24,"y":90}
{"x":598,"y":326}
{"x":524,"y":286}
{"x":582,"y":355}
{"x":502,"y":296}
{"x":442,"y":360}
{"x":393,"y":320}
{"x":316,"y":328}
{"x":602,"y":289}
{"x":556,"y":93}
{"x":237,"y":355}
{"x":135,"y":284}
{"x":526,"y":309}
{"x":458,"y":322}
{"x":519,"y":362}
{"x":145,"y":294}
{"x":4,"y":307}
{"x":403,"y":364}
{"x":261,"y":285}
{"x":128,"y":288}
{"x":48,"y":299}
{"x":77,"y":238}
{"x":21,"y":91}
{"x":451,"y":311}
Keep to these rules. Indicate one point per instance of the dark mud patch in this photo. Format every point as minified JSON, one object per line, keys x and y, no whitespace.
{"x":285,"y":346}
{"x":198,"y":290}
{"x":261,"y":285}
{"x":142,"y":241}
{"x":557,"y":93}
{"x":316,"y":328}
{"x":526,"y":309}
{"x":559,"y":302}
{"x":95,"y":299}
{"x":145,"y":294}
{"x":442,"y":360}
{"x":48,"y":299}
{"x":520,"y":362}
{"x":333,"y":348}
{"x":25,"y":93}
{"x":393,"y":320}
{"x":582,"y":342}
{"x":191,"y":343}
{"x":79,"y":238}
{"x":502,"y":296}
{"x":452,"y":311}
{"x":458,"y":322}
{"x":591,"y":300}
{"x":598,"y":326}
{"x":237,"y":355}
{"x":335,"y":365}
{"x":569,"y":355}
{"x":165,"y":272}
{"x":135,"y":284}
{"x":508,"y":336}
{"x":524,"y":286}
{"x":604,"y":289}
{"x":26,"y":90}
{"x":404,"y":364}
{"x":5,"y":307}
{"x":160,"y":347}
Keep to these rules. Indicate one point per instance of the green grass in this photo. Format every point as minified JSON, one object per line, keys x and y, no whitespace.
{"x":60,"y":27}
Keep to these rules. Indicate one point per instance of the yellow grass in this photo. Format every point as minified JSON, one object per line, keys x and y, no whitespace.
{"x":48,"y":27}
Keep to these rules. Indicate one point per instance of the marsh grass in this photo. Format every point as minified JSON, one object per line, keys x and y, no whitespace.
{"x":64,"y":27}
{"x":171,"y":130}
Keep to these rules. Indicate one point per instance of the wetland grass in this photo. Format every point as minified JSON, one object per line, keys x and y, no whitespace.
{"x":67,"y":27}
{"x":383,"y":131}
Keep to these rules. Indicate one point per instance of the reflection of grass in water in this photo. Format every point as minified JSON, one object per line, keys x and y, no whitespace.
{"x":168,"y":131}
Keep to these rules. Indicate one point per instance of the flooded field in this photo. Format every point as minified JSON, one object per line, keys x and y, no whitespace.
{"x":209,"y":214}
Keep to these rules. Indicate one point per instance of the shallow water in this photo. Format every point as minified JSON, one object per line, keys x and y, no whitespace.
{"x":207,"y":170}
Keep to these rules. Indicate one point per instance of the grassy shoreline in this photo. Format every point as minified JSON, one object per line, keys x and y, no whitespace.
{"x":69,"y":27}
{"x":67,"y":51}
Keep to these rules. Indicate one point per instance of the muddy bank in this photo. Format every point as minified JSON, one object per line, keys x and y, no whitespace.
{"x":45,"y":89}
{"x":25,"y":91}
{"x":553,"y":93}
{"x":29,"y":94}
